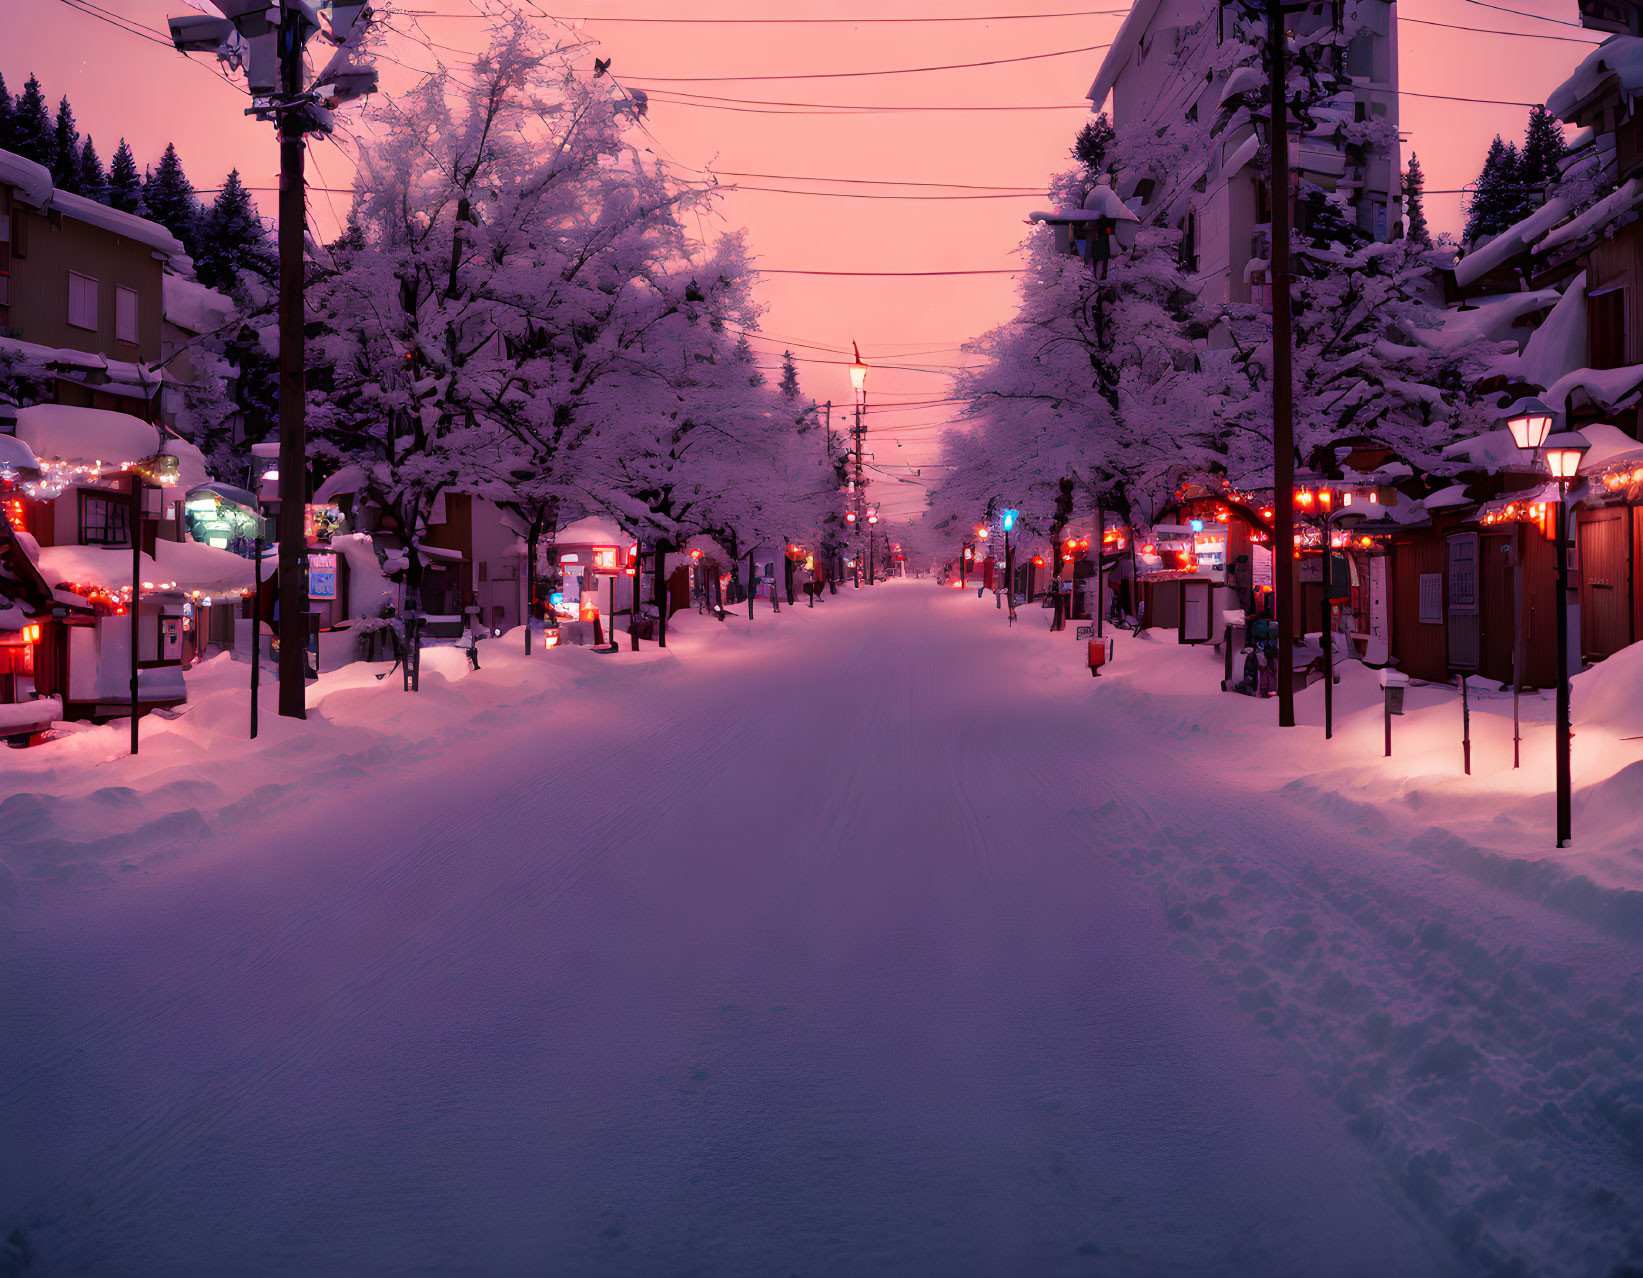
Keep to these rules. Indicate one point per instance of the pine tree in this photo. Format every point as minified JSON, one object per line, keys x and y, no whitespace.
{"x":65,"y":150}
{"x":1095,"y":139}
{"x":1497,"y":195}
{"x":789,"y":385}
{"x":93,"y":181}
{"x":232,"y":240}
{"x":32,"y":136}
{"x":168,"y":199}
{"x":1543,"y":148}
{"x":6,"y":126}
{"x":125,"y":188}
{"x":1414,"y":210}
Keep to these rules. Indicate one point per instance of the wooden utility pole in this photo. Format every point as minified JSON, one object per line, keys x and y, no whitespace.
{"x":1283,"y":423}
{"x":293,"y":215}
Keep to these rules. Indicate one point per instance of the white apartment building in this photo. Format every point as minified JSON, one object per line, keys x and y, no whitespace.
{"x":1177,"y":70}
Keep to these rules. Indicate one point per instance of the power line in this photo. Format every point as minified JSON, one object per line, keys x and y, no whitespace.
{"x":755,"y":106}
{"x":731,"y":22}
{"x":1021,"y":188}
{"x":768,"y":270}
{"x":1444,"y":97}
{"x":1538,"y":17}
{"x":863,"y":195}
{"x":851,"y":75}
{"x":1525,"y":35}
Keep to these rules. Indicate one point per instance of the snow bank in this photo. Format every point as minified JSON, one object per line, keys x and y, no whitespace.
{"x":1558,"y":345}
{"x":28,"y":715}
{"x":64,"y":432}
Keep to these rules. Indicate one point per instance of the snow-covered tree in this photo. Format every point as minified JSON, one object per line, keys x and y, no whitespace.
{"x":789,"y":385}
{"x":232,"y":240}
{"x":65,"y":150}
{"x":1497,"y":196}
{"x":1540,"y":159}
{"x":93,"y":181}
{"x":168,"y":198}
{"x":1414,"y":202}
{"x":507,"y":316}
{"x":7,"y":118}
{"x":31,"y":131}
{"x":125,"y":184}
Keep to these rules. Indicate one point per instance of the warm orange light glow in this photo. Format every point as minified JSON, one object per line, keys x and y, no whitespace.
{"x":31,"y":634}
{"x":695,"y":553}
{"x":1038,"y":561}
{"x":1266,"y":514}
{"x":981,"y":531}
{"x":1149,"y":549}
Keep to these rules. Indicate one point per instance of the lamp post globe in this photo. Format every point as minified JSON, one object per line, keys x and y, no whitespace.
{"x":1530,"y":421}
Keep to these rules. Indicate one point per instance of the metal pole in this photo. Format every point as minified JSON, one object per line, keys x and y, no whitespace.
{"x":293,"y":425}
{"x":1564,"y":795}
{"x":1100,"y":552}
{"x":1465,"y":726}
{"x":1517,"y":644}
{"x":136,"y":589}
{"x":256,"y":631}
{"x":1009,"y":573}
{"x":1283,"y":442}
{"x":1328,"y":640}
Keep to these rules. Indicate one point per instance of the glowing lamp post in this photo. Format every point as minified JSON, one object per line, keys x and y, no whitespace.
{"x":1008,"y":523}
{"x":1530,"y":422}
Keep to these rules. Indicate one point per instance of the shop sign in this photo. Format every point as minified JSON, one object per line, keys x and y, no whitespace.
{"x":320,"y":523}
{"x":322,"y":576}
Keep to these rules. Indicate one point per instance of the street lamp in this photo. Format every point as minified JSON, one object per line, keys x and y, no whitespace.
{"x":1008,"y":522}
{"x":858,"y":380}
{"x":1530,"y":422}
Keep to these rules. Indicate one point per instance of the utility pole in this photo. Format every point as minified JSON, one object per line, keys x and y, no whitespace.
{"x":293,"y":216}
{"x":1283,"y":424}
{"x":137,"y":591}
{"x":266,"y":38}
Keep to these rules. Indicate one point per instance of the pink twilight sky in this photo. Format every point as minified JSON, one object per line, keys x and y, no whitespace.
{"x":123,"y":85}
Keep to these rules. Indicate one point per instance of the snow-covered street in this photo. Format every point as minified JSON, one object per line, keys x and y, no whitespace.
{"x":869,"y":938}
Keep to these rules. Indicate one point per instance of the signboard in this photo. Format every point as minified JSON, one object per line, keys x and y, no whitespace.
{"x":322,"y":575}
{"x":320,"y":523}
{"x":1211,"y":551}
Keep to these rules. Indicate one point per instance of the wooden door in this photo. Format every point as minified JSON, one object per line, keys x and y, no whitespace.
{"x":1605,"y":582}
{"x":1496,"y":594}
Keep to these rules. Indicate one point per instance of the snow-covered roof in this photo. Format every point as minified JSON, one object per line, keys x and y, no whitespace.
{"x":194,"y":307}
{"x":41,"y":359}
{"x":228,"y":492}
{"x":1492,"y":451}
{"x":1447,"y":498}
{"x":175,"y":565}
{"x":350,"y":479}
{"x":33,"y":181}
{"x":66,"y":432}
{"x":128,"y":225}
{"x":1620,"y":57}
{"x":1242,"y":80}
{"x":1609,"y":388}
{"x":191,"y":468}
{"x":592,"y":531}
{"x":1123,"y":44}
{"x":1627,"y":196}
{"x":1493,"y":318}
{"x":1510,"y":242}
{"x":1558,"y":345}
{"x":1246,"y":152}
{"x":16,"y":455}
{"x":1608,"y":445}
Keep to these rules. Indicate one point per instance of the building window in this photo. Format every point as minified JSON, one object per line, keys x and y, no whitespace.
{"x":104,"y":520}
{"x":1606,"y":328}
{"x":82,"y":301}
{"x":125,"y":314}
